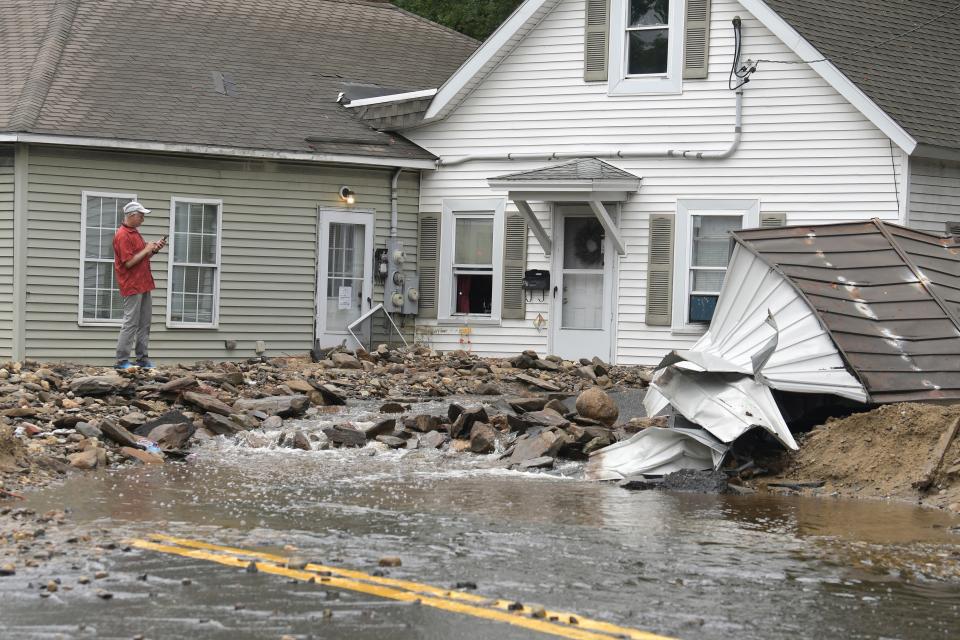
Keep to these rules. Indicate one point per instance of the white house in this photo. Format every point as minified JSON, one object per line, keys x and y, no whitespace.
{"x":615,"y":143}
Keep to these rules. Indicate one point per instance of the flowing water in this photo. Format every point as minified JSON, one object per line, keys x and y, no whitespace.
{"x":682,"y":565}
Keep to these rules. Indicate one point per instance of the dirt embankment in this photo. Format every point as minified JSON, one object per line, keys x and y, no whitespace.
{"x":881,"y":454}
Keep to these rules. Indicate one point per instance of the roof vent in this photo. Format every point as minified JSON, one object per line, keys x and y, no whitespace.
{"x":223,"y":83}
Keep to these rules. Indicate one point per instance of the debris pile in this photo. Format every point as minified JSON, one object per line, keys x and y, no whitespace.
{"x":54,"y":417}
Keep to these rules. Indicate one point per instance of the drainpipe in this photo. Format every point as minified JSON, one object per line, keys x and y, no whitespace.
{"x":393,"y":202}
{"x":662,"y":153}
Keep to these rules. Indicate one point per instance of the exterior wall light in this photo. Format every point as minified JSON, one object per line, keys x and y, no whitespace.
{"x":348,"y":195}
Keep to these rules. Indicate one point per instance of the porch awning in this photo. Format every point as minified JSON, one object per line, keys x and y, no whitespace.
{"x":588,"y":180}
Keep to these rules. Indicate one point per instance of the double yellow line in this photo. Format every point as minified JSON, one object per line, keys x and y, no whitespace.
{"x":558,"y":623}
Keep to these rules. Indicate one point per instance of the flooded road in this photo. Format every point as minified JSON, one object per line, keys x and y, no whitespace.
{"x":681,"y":565}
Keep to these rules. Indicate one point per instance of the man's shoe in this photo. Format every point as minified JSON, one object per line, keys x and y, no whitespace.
{"x":146,"y":363}
{"x":123,"y":365}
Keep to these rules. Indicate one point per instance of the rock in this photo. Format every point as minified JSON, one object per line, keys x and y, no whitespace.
{"x":283,"y":406}
{"x":544,"y":419}
{"x":97,"y":385}
{"x":587,"y":372}
{"x":133,"y":420}
{"x":170,"y":417}
{"x":546,"y":365}
{"x":345,"y":435}
{"x":8,"y":569}
{"x":253,"y":440}
{"x":537,"y":382}
{"x":557,"y":406}
{"x":381,"y":428}
{"x":600,"y":367}
{"x":543,"y":462}
{"x":220,"y":425}
{"x":639,"y":483}
{"x":118,"y":434}
{"x":431,"y":440}
{"x":52,"y":586}
{"x":595,"y":404}
{"x":140,"y":455}
{"x":207,"y":402}
{"x":522,"y":405}
{"x":697,"y":481}
{"x":19,"y":412}
{"x":272,"y":423}
{"x":392,"y":407}
{"x":483,"y":438}
{"x":345,"y":361}
{"x":300,"y":441}
{"x":638,"y":424}
{"x":178,"y":384}
{"x":172,"y":437}
{"x":84,"y":460}
{"x":299,"y":386}
{"x":522,"y":361}
{"x":596,"y":444}
{"x":392,"y":441}
{"x":389,"y":561}
{"x":88,"y":430}
{"x":462,"y":426}
{"x":331,"y":394}
{"x":543,"y":444}
{"x":954,"y":506}
{"x":487,"y":389}
{"x":103,"y":594}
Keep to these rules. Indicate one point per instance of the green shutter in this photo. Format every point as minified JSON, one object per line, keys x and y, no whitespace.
{"x":596,"y":40}
{"x":428,"y":263}
{"x":768,"y":220}
{"x":696,"y":39}
{"x":514,"y":263}
{"x":660,"y":270}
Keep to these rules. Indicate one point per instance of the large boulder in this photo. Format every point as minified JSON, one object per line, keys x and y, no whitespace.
{"x":97,"y":385}
{"x":483,"y":438}
{"x":595,"y":404}
{"x":462,"y":426}
{"x":172,"y":436}
{"x":345,"y":435}
{"x":207,"y":403}
{"x":546,"y":443}
{"x":345,"y":361}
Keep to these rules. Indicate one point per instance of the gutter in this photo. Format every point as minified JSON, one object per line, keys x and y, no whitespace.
{"x":213,"y":150}
{"x":662,"y":153}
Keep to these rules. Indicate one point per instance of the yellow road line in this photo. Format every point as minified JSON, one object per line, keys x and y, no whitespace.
{"x":563,"y":624}
{"x":506,"y":605}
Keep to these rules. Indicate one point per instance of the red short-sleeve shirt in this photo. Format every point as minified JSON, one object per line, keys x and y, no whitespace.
{"x":127,"y":242}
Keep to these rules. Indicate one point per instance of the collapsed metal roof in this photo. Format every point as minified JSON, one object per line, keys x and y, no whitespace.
{"x":888,"y":296}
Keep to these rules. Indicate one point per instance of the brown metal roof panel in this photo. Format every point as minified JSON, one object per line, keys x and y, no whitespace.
{"x":900,"y":292}
{"x":827,"y":244}
{"x":853,"y":277}
{"x":880,"y":311}
{"x":815,"y":231}
{"x":900,"y":329}
{"x":837,"y":261}
{"x":886,"y":362}
{"x":949,"y":395}
{"x":857,"y":343}
{"x":911,"y":381}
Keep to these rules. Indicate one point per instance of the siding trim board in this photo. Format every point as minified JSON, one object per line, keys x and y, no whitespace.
{"x":21,"y":171}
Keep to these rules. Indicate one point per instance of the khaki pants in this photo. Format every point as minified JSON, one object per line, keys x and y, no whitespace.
{"x":137,"y":310}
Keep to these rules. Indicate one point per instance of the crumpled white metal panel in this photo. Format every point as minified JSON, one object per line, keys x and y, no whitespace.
{"x":805,"y":360}
{"x":726,"y":405}
{"x":656,"y":451}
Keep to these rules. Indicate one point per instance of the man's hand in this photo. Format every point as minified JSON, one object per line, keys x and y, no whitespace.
{"x":152,"y":247}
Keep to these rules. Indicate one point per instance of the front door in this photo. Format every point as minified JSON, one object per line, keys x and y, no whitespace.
{"x":344,"y":271}
{"x":581,"y":316}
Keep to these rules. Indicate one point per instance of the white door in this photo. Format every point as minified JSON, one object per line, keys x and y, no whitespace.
{"x":344,"y":274}
{"x":581,"y":291}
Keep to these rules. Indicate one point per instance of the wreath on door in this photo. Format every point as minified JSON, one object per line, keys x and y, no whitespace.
{"x":588,"y":244}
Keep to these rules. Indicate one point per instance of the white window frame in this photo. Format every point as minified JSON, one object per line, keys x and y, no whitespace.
{"x":749,"y":210}
{"x":470,"y":208}
{"x":622,"y":84}
{"x":170,"y":264}
{"x":81,"y":321}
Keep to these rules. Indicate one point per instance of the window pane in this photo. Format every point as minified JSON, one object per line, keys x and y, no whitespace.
{"x":181,"y":217}
{"x":194,"y":241}
{"x":473,"y":293}
{"x":649,"y":12}
{"x":105,"y":250}
{"x":93,"y":211}
{"x":582,"y":301}
{"x":208,"y":250}
{"x":180,"y":243}
{"x":582,"y":243}
{"x":474,"y":241}
{"x":205,"y":278}
{"x":92,"y":249}
{"x":711,"y":239}
{"x":196,"y":218}
{"x":210,"y":218}
{"x":648,"y":52}
{"x":708,"y":280}
{"x":205,"y":309}
{"x":176,"y":307}
{"x":702,"y":308}
{"x":90,"y":275}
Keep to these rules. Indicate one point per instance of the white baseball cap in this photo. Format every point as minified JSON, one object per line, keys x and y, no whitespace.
{"x":134,"y":207}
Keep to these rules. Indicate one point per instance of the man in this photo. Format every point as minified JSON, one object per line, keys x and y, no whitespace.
{"x":131,"y":262}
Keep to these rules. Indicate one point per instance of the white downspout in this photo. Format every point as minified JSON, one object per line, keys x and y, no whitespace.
{"x":661,"y":153}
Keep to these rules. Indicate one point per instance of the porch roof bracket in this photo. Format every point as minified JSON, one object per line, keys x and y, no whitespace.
{"x":535,"y":226}
{"x":607,"y":222}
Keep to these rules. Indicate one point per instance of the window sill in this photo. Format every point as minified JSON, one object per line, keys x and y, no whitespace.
{"x":100,"y":323}
{"x":173,"y":325}
{"x":645,"y":86}
{"x":690,"y":330}
{"x":468,"y":321}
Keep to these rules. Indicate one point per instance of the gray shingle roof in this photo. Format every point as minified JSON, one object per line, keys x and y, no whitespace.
{"x":579,"y":169}
{"x":137,"y":70}
{"x":915,"y":79}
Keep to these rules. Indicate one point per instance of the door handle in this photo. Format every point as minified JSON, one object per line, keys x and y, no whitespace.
{"x":554,"y":292}
{"x":369,"y":303}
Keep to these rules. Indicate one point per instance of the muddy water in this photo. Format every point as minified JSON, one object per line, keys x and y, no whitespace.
{"x":688,"y":566}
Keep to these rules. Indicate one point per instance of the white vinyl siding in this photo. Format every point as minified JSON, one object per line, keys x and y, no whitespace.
{"x":268,"y":247}
{"x":100,"y":216}
{"x":806,"y":152}
{"x":934,"y":194}
{"x":194,"y":266}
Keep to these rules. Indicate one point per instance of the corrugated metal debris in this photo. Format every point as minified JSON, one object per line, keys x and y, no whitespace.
{"x":865,"y":311}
